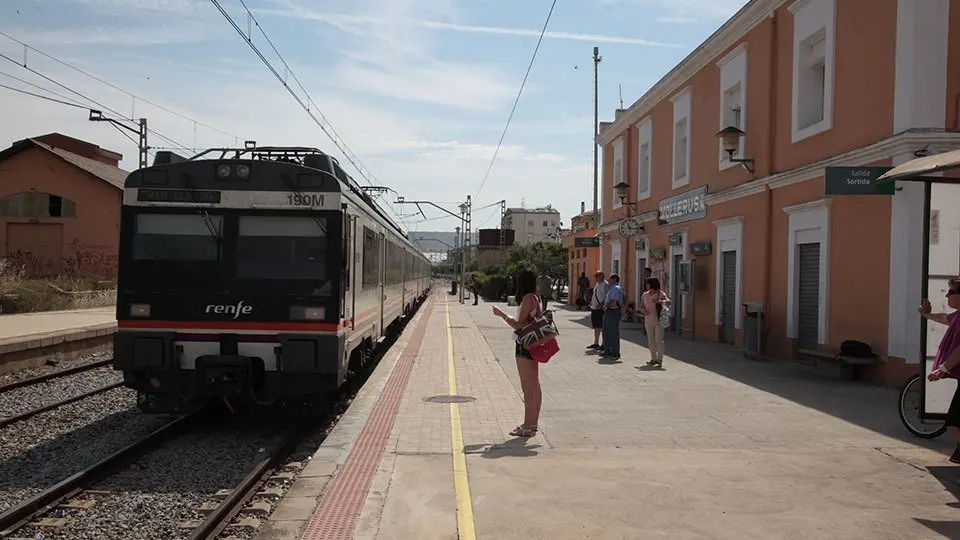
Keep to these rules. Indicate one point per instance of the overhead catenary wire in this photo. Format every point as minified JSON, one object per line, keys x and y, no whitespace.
{"x":71,"y":101}
{"x":337,"y":140}
{"x":116,"y":87}
{"x":523,"y":83}
{"x":48,"y":98}
{"x":87,"y":98}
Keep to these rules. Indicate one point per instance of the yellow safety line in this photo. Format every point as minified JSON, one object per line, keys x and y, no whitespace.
{"x":465,"y":526}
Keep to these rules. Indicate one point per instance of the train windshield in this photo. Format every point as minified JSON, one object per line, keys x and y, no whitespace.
{"x":178,"y":238}
{"x":271,"y":252}
{"x":282,"y":248}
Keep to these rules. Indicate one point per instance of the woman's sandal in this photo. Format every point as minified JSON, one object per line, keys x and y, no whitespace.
{"x":524,"y":430}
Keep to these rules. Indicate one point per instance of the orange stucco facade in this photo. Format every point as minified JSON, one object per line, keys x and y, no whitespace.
{"x":580,"y":259}
{"x":768,"y":230}
{"x":60,"y":209}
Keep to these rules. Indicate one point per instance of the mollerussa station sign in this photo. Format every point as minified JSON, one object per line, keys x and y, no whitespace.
{"x":686,"y":206}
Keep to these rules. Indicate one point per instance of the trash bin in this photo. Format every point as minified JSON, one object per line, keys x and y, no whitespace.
{"x":453,"y":287}
{"x":752,"y":329}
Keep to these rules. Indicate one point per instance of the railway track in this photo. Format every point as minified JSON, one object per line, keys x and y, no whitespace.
{"x":30,"y":381}
{"x":189,"y":479}
{"x":52,"y":383}
{"x":34,"y":508}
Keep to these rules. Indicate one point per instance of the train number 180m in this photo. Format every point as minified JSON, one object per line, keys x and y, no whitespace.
{"x":305,"y":199}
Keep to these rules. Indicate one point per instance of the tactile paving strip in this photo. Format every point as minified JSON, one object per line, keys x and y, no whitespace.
{"x":337,"y":514}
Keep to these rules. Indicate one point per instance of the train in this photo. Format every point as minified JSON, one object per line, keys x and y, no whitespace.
{"x":255,"y":276}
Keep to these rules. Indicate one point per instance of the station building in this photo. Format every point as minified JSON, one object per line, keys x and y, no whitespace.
{"x":582,"y":245}
{"x":786,"y":214}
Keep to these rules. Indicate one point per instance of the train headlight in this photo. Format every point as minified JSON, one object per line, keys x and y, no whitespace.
{"x":223,"y":171}
{"x":243,"y":171}
{"x":306,"y":313}
{"x":139,"y":310}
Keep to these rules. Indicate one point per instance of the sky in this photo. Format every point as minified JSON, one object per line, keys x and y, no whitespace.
{"x":417,"y":92}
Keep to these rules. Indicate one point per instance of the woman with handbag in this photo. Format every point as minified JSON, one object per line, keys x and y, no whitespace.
{"x":527,"y":367}
{"x":652,"y":304}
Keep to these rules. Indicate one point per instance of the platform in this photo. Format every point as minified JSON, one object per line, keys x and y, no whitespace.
{"x":28,"y":338}
{"x":712,"y":446}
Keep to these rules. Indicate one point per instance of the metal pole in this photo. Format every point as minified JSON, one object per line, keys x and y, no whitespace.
{"x":463,"y":258}
{"x":143,"y":143}
{"x":596,"y":126}
{"x":456,"y":258}
{"x":924,"y":293}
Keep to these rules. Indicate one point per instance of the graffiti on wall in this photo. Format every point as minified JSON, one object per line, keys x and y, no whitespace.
{"x":86,"y":260}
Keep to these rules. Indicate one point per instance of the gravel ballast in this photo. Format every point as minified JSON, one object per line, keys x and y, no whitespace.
{"x":45,"y":369}
{"x":45,"y":449}
{"x":27,"y":398}
{"x":151,"y":498}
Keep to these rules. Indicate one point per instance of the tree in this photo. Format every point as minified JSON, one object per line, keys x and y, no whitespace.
{"x":543,"y":258}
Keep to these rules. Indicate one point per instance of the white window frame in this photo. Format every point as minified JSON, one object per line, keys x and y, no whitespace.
{"x":809,"y":18}
{"x":645,"y":137}
{"x":617,"y":178}
{"x":616,"y":256}
{"x":681,"y":111}
{"x":809,"y":222}
{"x":641,"y":254}
{"x":684,"y":256}
{"x":733,"y":71}
{"x":729,"y":238}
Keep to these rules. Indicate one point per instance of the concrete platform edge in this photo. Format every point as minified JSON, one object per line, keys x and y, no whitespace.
{"x":295,"y":509}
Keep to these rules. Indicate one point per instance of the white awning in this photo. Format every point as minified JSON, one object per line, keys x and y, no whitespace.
{"x":923,"y":166}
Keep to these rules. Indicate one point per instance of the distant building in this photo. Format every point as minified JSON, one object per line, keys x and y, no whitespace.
{"x":581,"y":258}
{"x":531,"y":225}
{"x":60,"y":201}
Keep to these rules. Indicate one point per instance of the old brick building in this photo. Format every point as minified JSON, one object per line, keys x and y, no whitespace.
{"x":60,"y":205}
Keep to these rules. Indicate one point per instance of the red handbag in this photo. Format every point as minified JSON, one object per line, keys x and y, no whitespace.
{"x":544,"y":349}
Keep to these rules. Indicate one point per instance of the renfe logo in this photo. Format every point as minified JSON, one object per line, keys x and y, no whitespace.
{"x":236,"y":311}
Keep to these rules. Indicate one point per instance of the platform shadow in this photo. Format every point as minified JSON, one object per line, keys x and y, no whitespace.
{"x":517,"y":447}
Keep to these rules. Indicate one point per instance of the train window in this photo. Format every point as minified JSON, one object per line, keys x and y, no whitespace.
{"x":177,"y":237}
{"x":282,"y":247}
{"x":371,"y":258}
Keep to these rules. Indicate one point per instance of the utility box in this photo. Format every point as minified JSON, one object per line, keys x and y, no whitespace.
{"x":753,"y":324}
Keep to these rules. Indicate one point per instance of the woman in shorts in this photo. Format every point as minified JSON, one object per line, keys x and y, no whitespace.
{"x":527,"y":367}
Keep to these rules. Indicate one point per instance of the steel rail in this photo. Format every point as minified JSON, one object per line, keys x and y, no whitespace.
{"x":54,"y":375}
{"x":221,"y":517}
{"x":16,"y":517}
{"x":4,"y":422}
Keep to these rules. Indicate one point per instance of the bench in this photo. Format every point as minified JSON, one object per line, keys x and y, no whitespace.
{"x":849,"y":365}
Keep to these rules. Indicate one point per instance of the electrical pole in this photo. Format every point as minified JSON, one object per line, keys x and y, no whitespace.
{"x":97,"y":116}
{"x":596,"y":126}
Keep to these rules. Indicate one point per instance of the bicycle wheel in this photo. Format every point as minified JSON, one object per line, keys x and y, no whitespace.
{"x":909,"y":409}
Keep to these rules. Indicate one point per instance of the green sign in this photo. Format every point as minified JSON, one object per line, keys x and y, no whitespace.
{"x":856,"y":181}
{"x":586,"y":242}
{"x":701,"y":248}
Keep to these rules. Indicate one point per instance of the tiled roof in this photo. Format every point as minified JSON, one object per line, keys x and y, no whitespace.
{"x":114,"y":176}
{"x":110,"y":174}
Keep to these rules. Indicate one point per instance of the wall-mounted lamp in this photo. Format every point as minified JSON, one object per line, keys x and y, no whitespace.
{"x":730,"y":137}
{"x":621,"y":190}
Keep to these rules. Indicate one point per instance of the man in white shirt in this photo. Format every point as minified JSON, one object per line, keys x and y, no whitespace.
{"x":596,"y":308}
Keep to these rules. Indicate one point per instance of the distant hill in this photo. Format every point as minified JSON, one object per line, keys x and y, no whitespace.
{"x":435,"y":241}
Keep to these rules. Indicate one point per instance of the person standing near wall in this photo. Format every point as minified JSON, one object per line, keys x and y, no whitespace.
{"x":612,"y":314}
{"x":948,"y":355}
{"x":596,"y":309}
{"x":651,"y":304}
